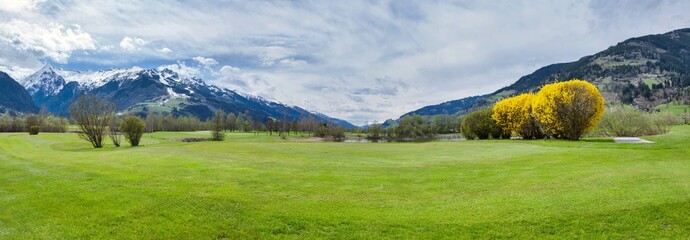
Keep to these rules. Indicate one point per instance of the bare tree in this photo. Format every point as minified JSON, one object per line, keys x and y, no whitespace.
{"x":150,"y":122}
{"x":270,"y":126}
{"x":115,"y":134}
{"x":284,"y":124}
{"x":93,"y":116}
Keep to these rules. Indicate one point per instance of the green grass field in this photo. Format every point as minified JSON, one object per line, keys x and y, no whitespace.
{"x":677,"y":109}
{"x":55,"y":186}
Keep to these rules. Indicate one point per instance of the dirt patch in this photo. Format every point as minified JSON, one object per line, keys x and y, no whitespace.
{"x":191,"y":139}
{"x":306,"y":139}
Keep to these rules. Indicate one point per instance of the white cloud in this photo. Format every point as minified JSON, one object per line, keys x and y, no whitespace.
{"x":287,"y":50}
{"x":269,"y":55}
{"x":53,"y":40}
{"x":164,"y":50}
{"x":17,"y":5}
{"x":291,"y":62}
{"x":246,"y":82}
{"x":227,"y":69}
{"x":182,"y":69}
{"x":16,"y":72}
{"x":131,"y":44}
{"x":206,"y":62}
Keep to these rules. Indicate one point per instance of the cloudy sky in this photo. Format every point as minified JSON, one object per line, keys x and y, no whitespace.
{"x":356,"y":60}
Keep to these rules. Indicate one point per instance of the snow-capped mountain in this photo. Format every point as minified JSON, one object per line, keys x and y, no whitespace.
{"x":44,"y":81}
{"x":137,"y":90}
{"x":94,"y":79}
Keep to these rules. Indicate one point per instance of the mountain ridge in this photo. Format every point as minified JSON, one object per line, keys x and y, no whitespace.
{"x":13,"y":97}
{"x":139,"y":91}
{"x":643,"y":71}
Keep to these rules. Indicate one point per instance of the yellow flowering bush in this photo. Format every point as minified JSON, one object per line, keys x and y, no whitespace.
{"x":515,"y":115}
{"x":568,"y":109}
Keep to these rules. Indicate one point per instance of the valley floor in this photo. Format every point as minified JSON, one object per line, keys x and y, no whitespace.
{"x":56,"y":186}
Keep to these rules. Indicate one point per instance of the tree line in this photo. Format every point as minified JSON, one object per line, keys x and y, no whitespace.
{"x":243,"y":122}
{"x":96,"y":120}
{"x":33,"y":123}
{"x":415,"y":126}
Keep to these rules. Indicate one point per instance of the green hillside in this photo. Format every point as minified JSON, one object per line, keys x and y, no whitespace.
{"x":645,"y":72}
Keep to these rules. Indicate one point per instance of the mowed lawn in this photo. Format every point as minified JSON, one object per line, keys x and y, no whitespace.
{"x":55,"y":186}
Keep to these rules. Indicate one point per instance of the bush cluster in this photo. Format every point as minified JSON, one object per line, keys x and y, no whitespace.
{"x":626,"y":121}
{"x":132,"y":127}
{"x":375,"y":131}
{"x":565,"y":110}
{"x":480,"y":125}
{"x":569,"y":109}
{"x":413,"y":127}
{"x":515,"y":115}
{"x":416,"y":126}
{"x":330,"y":131}
{"x":34,"y":130}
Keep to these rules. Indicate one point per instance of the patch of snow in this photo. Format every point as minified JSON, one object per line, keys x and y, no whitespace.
{"x":173,"y":94}
{"x":163,"y":80}
{"x":94,"y":79}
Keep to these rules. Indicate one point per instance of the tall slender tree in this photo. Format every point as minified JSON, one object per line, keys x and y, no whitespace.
{"x":218,"y":126}
{"x":230,"y":122}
